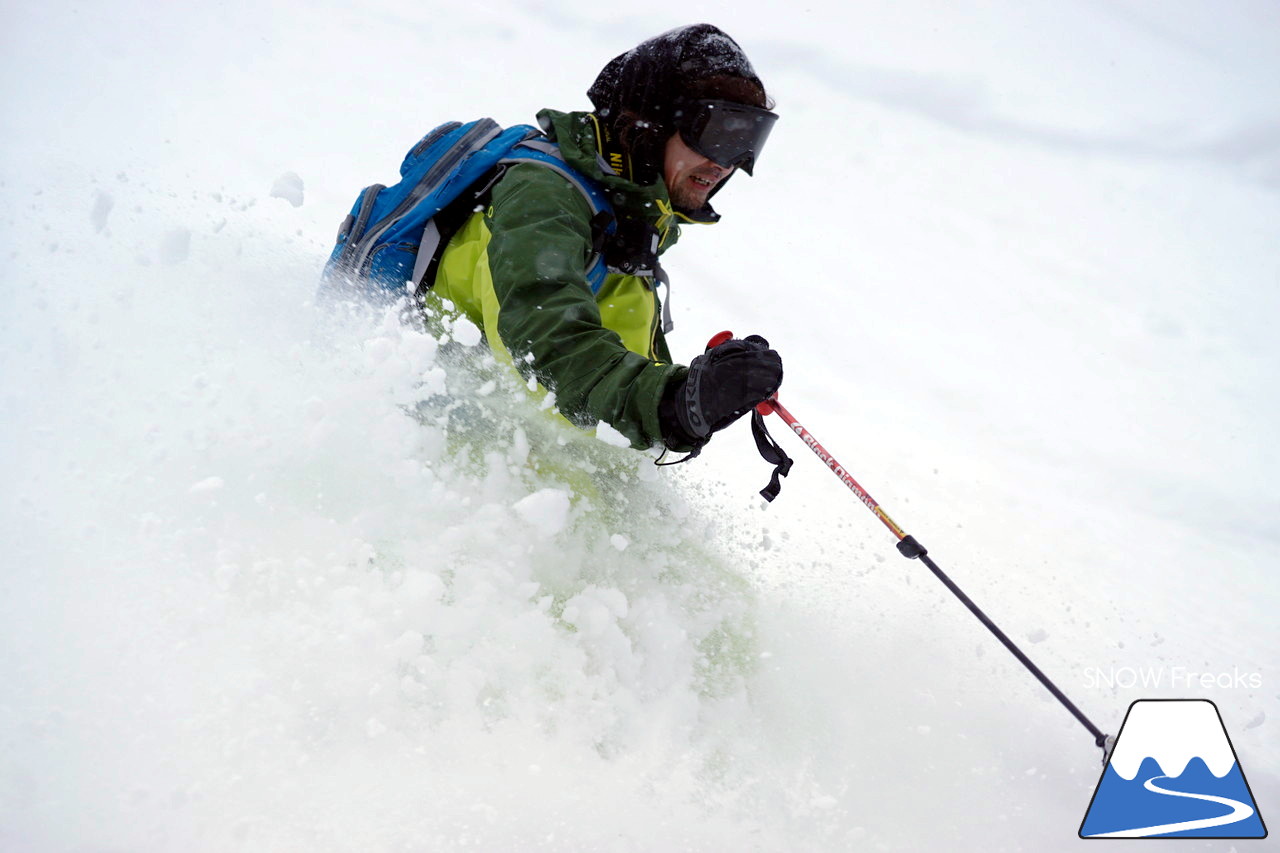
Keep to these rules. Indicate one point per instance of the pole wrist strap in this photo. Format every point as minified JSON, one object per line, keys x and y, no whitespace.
{"x":772,"y":453}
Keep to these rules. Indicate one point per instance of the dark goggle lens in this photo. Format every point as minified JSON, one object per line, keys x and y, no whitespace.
{"x":728,"y":133}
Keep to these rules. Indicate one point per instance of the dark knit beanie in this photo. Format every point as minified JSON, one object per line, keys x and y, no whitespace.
{"x":647,"y":80}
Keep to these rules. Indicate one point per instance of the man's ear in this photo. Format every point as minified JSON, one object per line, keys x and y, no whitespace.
{"x":645,"y":142}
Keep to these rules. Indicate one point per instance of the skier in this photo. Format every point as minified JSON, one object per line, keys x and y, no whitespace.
{"x":674,"y":118}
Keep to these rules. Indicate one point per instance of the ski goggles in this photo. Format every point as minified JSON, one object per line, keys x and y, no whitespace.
{"x":728,"y":133}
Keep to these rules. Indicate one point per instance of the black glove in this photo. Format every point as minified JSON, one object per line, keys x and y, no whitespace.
{"x":722,"y":385}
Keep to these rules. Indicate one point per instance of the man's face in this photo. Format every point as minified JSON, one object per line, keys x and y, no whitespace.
{"x":689,"y":176}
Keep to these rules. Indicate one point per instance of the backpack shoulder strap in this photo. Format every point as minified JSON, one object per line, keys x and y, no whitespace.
{"x":630,"y":247}
{"x":546,"y":153}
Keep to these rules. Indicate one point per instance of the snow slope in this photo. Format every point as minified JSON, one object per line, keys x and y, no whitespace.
{"x":1021,"y":262}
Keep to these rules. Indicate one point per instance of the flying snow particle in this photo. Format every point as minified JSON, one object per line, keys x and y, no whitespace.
{"x":102,"y":205}
{"x":1039,"y":635}
{"x":547,"y":511}
{"x":466,"y":332}
{"x":611,"y":436}
{"x":619,"y":541}
{"x":175,"y":247}
{"x":407,"y":647}
{"x":315,"y":409}
{"x":209,"y":484}
{"x":288,"y":187}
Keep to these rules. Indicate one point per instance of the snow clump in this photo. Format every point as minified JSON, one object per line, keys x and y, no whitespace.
{"x":546,"y":510}
{"x":102,"y":204}
{"x":175,"y":247}
{"x":288,"y":187}
{"x":611,"y":436}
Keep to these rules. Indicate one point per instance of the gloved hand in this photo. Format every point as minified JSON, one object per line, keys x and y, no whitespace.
{"x":723,"y":384}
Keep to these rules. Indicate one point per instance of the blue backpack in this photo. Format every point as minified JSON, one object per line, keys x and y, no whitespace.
{"x":395,"y":235}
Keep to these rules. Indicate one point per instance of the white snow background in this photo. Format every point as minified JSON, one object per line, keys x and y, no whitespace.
{"x":1022,"y":261}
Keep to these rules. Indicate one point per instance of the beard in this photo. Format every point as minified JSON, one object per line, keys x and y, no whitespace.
{"x":687,"y":197}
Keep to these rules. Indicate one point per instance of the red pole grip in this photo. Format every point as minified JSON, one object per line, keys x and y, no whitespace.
{"x":719,"y":338}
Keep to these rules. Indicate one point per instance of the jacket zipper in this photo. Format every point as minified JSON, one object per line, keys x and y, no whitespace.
{"x":653,"y":324}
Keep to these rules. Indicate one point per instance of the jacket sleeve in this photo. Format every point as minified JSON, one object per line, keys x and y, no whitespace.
{"x":548,"y":319}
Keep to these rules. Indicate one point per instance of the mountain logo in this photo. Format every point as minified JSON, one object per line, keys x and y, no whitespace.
{"x":1173,"y":774}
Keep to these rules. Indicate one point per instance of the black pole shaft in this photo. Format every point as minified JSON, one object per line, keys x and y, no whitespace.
{"x":915,"y":549}
{"x":911,"y":549}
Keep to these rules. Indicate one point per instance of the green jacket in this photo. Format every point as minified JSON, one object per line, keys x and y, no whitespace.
{"x":517,"y":270}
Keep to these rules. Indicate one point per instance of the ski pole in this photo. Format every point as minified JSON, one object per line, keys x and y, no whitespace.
{"x":912,"y":550}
